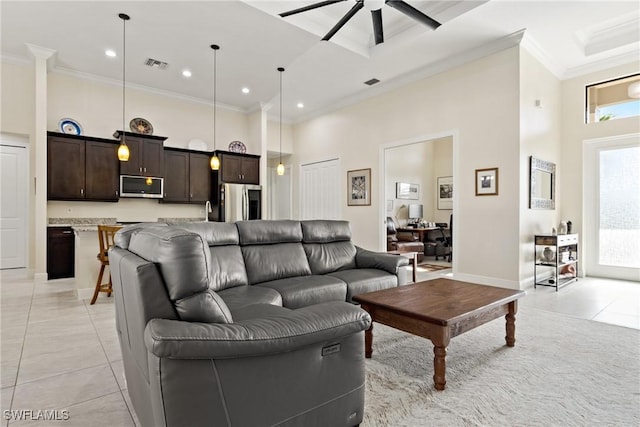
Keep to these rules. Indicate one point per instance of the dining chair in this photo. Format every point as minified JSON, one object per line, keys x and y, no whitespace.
{"x":105,"y":241}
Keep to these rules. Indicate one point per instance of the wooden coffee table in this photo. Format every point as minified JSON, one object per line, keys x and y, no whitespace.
{"x":440,"y":309}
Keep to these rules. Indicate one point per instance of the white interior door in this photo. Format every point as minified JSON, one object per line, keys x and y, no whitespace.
{"x":14,"y":177}
{"x":612,"y":207}
{"x":320,"y":194}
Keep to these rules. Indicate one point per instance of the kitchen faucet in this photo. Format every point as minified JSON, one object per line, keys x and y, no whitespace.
{"x":207,"y":209}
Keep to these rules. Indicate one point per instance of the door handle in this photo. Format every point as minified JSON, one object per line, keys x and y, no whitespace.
{"x":82,"y":191}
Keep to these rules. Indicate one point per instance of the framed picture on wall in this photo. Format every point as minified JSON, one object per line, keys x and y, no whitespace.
{"x":487,"y":182}
{"x":359,"y":187}
{"x":404,"y":190}
{"x":445,"y":192}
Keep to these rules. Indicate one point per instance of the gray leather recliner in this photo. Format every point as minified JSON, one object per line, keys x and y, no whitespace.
{"x":217,"y":327}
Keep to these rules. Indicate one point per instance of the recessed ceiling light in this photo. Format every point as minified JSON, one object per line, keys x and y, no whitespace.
{"x":110,"y":53}
{"x":246,"y":90}
{"x":300,"y":105}
{"x":186,"y":73}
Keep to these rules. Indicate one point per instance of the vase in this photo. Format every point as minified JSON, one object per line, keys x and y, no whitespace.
{"x":569,"y":225}
{"x":548,"y":254}
{"x":562,"y":229}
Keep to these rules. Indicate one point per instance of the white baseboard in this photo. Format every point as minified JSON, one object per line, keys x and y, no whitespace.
{"x":490,"y":281}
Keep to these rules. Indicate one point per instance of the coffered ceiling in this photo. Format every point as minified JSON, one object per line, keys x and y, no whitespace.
{"x":570,"y":37}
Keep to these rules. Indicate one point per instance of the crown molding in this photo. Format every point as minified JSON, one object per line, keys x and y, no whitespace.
{"x":532,"y":46}
{"x":599,"y":65}
{"x":142,"y":88}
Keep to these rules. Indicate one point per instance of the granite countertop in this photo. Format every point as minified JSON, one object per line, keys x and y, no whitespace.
{"x":91,"y":224}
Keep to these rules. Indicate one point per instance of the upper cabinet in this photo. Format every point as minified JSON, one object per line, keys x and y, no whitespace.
{"x":81,"y":168}
{"x":239,"y":168}
{"x":146,"y":155}
{"x":187,"y":176}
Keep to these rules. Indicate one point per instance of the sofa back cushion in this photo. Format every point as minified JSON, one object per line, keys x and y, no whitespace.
{"x":272,"y":250}
{"x":226,"y":269}
{"x":327,"y":245}
{"x":183,"y":259}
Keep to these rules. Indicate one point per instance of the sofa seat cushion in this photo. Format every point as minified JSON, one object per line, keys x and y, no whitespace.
{"x":303,"y":291}
{"x":241,"y":296}
{"x":362,"y":280}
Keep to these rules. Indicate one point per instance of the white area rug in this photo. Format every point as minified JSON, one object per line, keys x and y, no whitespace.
{"x":563,"y":371}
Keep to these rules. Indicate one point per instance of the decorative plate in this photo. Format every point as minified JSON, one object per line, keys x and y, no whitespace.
{"x":140,"y":125}
{"x":237,"y":147}
{"x":70,"y":126}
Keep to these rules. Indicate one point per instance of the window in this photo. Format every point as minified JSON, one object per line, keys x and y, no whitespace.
{"x":613,"y":99}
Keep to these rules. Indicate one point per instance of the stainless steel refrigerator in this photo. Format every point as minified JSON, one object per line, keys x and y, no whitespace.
{"x":240,"y":202}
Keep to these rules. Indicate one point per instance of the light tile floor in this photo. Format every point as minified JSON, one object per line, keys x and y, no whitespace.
{"x":58,"y":353}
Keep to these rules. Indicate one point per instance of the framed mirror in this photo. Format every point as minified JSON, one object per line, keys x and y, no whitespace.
{"x":542,"y":184}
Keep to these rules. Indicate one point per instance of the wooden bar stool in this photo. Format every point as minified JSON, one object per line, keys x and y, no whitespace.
{"x":105,"y":240}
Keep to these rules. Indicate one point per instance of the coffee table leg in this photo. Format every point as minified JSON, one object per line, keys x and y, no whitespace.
{"x":439,"y":367}
{"x":440,"y":344}
{"x":368,"y":342}
{"x":511,"y":324}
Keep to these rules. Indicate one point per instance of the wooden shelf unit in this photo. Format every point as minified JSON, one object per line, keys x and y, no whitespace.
{"x":565,"y":247}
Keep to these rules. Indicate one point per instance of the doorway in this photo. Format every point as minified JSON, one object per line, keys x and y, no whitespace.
{"x":14,"y":188}
{"x":612,"y":207}
{"x":423,"y":162}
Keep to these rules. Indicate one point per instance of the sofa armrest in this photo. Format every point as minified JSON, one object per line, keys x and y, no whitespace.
{"x":387,"y":262}
{"x":273,"y":334}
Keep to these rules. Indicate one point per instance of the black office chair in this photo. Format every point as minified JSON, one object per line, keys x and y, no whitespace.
{"x":449,"y":239}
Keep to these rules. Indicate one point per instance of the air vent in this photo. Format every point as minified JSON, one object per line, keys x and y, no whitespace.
{"x":154,"y":63}
{"x":372,"y":82}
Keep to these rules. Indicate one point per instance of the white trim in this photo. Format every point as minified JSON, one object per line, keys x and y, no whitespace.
{"x":590,"y":207}
{"x":455,"y":136}
{"x":22,"y":141}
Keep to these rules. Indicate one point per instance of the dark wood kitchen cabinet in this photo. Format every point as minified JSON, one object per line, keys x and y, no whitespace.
{"x":60,"y":252}
{"x":239,"y":168}
{"x":81,"y":168}
{"x":146,"y":154}
{"x":187,"y":176}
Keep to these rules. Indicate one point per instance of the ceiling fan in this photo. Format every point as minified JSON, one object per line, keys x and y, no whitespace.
{"x":376,"y":16}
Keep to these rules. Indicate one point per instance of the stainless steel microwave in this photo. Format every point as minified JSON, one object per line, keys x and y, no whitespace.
{"x":141,"y":186}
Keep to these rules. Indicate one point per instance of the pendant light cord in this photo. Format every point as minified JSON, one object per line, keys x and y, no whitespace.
{"x":215,"y":48}
{"x":281,"y":71}
{"x":124,"y":18}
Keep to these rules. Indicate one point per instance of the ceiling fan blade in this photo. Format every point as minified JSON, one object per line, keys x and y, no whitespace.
{"x":359,"y":5}
{"x":412,"y":12}
{"x":378,"y":35}
{"x":310,"y":7}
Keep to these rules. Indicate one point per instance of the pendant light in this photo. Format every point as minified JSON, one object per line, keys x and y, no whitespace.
{"x":280,"y":168}
{"x":123,"y":150}
{"x":215,"y":161}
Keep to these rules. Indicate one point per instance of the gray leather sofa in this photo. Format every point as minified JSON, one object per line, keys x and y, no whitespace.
{"x":245,"y":324}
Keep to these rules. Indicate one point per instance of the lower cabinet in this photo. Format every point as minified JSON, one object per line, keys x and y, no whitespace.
{"x":61,"y":252}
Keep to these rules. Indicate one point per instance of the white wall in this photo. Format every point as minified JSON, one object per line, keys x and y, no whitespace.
{"x":97,"y":106}
{"x":418,"y":163}
{"x":411,"y":164}
{"x":574,"y":132}
{"x":539,"y":137}
{"x":478,"y":101}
